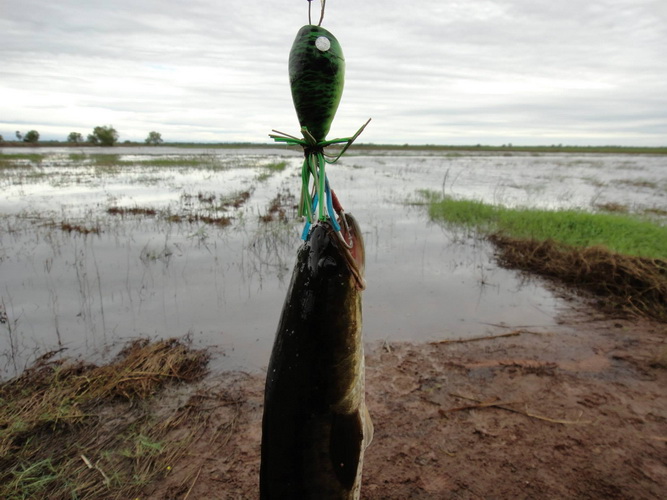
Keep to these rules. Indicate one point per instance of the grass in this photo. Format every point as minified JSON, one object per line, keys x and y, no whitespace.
{"x":620,"y":258}
{"x":75,"y":430}
{"x":278,"y":208}
{"x":35,"y":157}
{"x":277,"y":166}
{"x":621,"y":233}
{"x":210,"y":201}
{"x":112,"y":163}
{"x":270,"y":169}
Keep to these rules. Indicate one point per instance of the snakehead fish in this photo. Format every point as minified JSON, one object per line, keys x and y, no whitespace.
{"x":316,"y":426}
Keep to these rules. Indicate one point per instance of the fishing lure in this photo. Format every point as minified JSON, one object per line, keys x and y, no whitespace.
{"x":317,"y":77}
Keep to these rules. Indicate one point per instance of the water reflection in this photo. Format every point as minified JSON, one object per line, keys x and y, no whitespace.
{"x":159,"y":267}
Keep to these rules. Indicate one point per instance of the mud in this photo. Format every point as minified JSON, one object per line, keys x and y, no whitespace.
{"x":580,"y":412}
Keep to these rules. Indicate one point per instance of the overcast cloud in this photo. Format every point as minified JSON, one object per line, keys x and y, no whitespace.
{"x":446,"y":72}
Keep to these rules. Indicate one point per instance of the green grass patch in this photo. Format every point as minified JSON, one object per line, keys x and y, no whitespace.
{"x":617,"y":257}
{"x":621,"y":233}
{"x":277,"y":166}
{"x":270,"y":169}
{"x":181,"y":161}
{"x":34,"y":157}
{"x":19,"y":161}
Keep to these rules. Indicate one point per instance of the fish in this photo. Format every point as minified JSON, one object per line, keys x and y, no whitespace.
{"x":315,"y":425}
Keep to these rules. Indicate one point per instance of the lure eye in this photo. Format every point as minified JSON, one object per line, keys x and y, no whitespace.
{"x":323,"y":43}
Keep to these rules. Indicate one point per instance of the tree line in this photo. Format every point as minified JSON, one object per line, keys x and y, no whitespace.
{"x":104,"y":135}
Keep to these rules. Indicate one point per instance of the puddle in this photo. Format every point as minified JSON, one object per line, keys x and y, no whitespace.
{"x":140,"y":273}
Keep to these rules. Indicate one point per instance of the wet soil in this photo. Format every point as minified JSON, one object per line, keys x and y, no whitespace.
{"x":576,"y":413}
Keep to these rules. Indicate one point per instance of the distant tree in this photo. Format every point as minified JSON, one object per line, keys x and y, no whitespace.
{"x":75,"y":137}
{"x":105,"y":136}
{"x":154,"y":138}
{"x":2,"y":139}
{"x":31,"y":136}
{"x":19,"y":136}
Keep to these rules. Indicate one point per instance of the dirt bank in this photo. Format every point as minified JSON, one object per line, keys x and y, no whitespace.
{"x":576,"y":413}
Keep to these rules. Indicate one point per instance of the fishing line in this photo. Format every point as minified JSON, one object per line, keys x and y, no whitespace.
{"x":316,"y":69}
{"x":317,"y":201}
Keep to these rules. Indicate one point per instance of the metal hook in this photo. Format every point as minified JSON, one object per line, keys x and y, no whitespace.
{"x":324,"y":2}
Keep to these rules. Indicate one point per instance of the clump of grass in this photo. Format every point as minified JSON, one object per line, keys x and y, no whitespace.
{"x":221,"y":221}
{"x":278,"y":208}
{"x":235,"y":200}
{"x":277,"y":166}
{"x":613,"y":207}
{"x":617,"y":232}
{"x":208,"y":161}
{"x":270,"y":169}
{"x":215,"y":220}
{"x":9,"y":165}
{"x":76,"y":430}
{"x":68,"y":227}
{"x":470,"y":213}
{"x":615,"y":256}
{"x":661,"y":212}
{"x":639,"y":183}
{"x":206,"y":197}
{"x":624,"y":283}
{"x":131,"y":211}
{"x":31,"y":157}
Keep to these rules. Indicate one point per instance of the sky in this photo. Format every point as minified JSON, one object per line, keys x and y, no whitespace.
{"x":522,"y":72}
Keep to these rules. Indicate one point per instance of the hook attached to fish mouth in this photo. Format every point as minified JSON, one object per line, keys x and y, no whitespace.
{"x":350,"y":243}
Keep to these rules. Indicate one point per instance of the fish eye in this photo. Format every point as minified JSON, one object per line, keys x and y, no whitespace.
{"x":323,"y":43}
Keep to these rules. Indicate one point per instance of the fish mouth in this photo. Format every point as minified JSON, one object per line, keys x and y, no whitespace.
{"x":350,"y":243}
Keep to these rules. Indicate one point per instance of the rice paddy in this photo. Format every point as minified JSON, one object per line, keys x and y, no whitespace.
{"x":101,"y":246}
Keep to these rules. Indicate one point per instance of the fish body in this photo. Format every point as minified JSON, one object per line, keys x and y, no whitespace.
{"x":317,"y":77}
{"x":315,"y":425}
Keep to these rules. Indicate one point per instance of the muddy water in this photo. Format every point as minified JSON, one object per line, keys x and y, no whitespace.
{"x":147,"y":275}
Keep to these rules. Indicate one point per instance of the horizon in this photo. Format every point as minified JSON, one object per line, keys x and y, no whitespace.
{"x":64,"y":143}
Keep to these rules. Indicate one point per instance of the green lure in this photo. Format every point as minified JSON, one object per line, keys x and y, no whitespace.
{"x":317,"y":78}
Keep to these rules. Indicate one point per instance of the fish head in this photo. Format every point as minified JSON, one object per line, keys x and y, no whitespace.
{"x":350,"y":244}
{"x":351,"y":233}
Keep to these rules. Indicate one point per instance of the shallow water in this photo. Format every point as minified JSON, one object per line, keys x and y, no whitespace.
{"x":144,"y":275}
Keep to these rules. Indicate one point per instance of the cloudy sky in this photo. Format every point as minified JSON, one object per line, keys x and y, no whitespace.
{"x":445,"y":72}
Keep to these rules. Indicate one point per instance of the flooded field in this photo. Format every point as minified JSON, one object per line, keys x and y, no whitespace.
{"x":99,"y":246}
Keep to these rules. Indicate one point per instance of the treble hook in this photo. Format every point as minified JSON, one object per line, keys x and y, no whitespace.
{"x":324,"y":2}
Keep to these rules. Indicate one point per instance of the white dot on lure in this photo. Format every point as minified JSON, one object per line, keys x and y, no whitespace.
{"x":323,"y":43}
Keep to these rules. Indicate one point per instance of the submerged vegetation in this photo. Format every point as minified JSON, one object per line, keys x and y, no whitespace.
{"x":76,"y":430}
{"x":618,"y":257}
{"x":110,"y":163}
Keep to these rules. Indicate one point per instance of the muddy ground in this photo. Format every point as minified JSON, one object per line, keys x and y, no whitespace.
{"x":576,"y":413}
